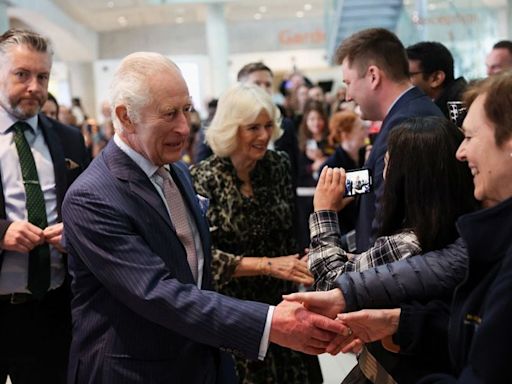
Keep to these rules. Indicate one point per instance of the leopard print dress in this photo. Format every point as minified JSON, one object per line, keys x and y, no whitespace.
{"x":261,"y":225}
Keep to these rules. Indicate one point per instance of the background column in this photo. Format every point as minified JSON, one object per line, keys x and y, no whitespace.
{"x":4,"y":19}
{"x":217,"y":45}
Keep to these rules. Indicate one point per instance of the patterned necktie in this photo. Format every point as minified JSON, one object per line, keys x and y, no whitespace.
{"x":179,"y":218}
{"x":39,"y":257}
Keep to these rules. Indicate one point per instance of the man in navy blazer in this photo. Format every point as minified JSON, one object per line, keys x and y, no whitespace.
{"x":35,"y":324}
{"x":139,"y":314}
{"x":376,"y":73}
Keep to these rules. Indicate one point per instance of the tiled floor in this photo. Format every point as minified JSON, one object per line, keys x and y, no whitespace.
{"x":334,"y":368}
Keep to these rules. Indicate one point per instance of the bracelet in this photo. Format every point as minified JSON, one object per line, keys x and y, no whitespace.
{"x":265,"y":266}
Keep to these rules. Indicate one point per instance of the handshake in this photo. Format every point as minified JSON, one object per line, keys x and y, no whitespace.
{"x":307,"y":322}
{"x":312,"y":322}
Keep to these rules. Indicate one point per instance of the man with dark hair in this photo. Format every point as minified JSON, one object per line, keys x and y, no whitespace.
{"x":500,"y":58}
{"x":256,"y":73}
{"x":376,"y":74}
{"x":39,"y":159}
{"x":431,"y":70}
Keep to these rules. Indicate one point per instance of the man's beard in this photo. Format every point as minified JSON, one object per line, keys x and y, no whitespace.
{"x":21,"y":113}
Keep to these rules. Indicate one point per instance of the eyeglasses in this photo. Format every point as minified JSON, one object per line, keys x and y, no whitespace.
{"x":411,"y":74}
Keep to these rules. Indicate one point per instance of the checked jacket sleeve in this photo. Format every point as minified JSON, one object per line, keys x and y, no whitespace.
{"x":327,"y":260}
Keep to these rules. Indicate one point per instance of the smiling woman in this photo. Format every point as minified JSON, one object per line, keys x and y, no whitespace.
{"x":250,"y":213}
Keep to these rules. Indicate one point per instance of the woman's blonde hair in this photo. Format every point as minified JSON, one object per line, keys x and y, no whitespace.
{"x":239,"y":105}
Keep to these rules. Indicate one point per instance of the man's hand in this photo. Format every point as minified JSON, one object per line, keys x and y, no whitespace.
{"x":330,"y":190}
{"x":366,"y":326}
{"x":22,"y":236}
{"x":290,"y":268}
{"x":53,"y":236}
{"x":326,"y":303}
{"x":293,"y":326}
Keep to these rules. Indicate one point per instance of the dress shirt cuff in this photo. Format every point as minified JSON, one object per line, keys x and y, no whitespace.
{"x":266,"y":333}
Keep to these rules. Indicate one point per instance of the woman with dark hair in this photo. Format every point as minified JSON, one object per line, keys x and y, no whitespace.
{"x":314,"y":146}
{"x":422,"y":193}
{"x":423,"y":196}
{"x":314,"y":149}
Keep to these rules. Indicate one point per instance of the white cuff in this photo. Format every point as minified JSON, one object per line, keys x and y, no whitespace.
{"x":266,"y":333}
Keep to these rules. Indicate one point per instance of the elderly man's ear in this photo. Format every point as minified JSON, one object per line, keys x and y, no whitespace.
{"x":123,"y":116}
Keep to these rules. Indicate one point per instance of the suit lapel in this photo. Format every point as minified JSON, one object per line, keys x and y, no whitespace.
{"x":126,"y":169}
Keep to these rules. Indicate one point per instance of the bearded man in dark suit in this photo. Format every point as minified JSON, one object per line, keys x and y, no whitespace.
{"x":39,"y":159}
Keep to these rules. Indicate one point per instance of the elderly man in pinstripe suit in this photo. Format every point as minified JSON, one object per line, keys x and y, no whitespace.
{"x":142,"y":308}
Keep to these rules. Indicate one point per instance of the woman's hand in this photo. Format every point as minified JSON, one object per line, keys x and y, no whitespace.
{"x":330,"y":190}
{"x":366,"y":326}
{"x":291,"y":268}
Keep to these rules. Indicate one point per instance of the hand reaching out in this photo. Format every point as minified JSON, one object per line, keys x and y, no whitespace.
{"x":326,"y":303}
{"x":366,"y":326}
{"x":293,"y":326}
{"x":291,"y":268}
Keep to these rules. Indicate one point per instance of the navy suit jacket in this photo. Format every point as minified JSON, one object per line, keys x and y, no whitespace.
{"x":138,"y":317}
{"x":413,"y":103}
{"x":67,"y":149}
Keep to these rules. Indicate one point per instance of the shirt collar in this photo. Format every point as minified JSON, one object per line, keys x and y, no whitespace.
{"x":146,"y":165}
{"x":398,"y":98}
{"x":7,"y":120}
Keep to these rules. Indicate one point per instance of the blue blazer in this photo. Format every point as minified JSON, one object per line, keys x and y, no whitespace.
{"x":138,"y":317}
{"x":413,"y":103}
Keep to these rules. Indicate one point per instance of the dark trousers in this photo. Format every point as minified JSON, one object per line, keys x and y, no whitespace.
{"x":35,"y":338}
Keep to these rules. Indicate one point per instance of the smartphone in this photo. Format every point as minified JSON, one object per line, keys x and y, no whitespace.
{"x":359,"y":181}
{"x":311,"y":144}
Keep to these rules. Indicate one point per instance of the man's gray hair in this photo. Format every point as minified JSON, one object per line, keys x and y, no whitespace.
{"x":21,"y":37}
{"x":130,"y":86}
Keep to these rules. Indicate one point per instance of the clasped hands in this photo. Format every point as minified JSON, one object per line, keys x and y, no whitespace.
{"x":22,"y":236}
{"x":331,"y":330}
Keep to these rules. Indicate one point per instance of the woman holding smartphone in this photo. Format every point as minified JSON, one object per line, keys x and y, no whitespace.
{"x":423,"y":196}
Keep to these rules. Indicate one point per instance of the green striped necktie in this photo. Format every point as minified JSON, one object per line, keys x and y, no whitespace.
{"x":39,"y":257}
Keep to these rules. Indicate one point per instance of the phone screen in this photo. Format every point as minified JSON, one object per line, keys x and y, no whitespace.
{"x":359,"y":181}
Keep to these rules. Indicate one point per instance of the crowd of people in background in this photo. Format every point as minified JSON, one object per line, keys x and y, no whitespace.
{"x":251,"y":202}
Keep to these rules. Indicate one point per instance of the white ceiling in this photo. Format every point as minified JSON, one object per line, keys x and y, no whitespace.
{"x":108,"y":15}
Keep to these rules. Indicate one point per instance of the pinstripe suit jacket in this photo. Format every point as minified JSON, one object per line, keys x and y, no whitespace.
{"x":137,"y":316}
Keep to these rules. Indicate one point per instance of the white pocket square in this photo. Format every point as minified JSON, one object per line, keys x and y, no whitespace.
{"x":70,"y":164}
{"x":204,"y":203}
